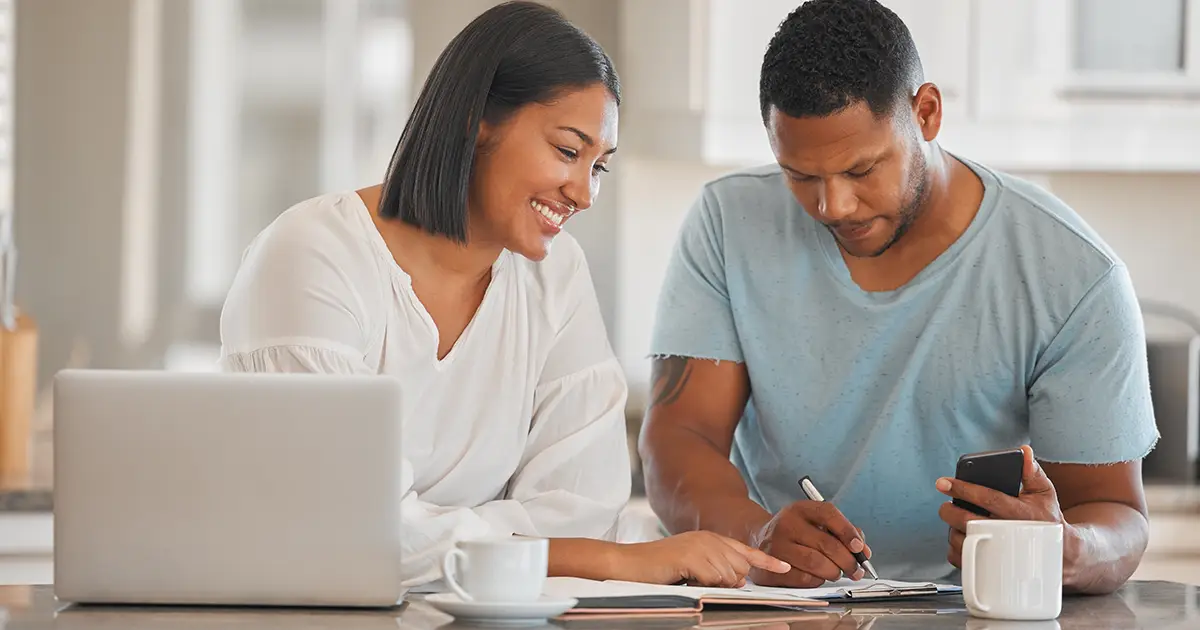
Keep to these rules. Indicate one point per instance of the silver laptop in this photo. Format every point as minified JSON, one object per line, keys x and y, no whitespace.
{"x":227,"y":489}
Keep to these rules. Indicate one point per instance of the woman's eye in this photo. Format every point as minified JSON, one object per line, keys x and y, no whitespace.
{"x":600,"y":167}
{"x":568,"y":153}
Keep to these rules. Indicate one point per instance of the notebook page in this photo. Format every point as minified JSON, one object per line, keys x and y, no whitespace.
{"x":577,"y":587}
{"x":580,"y":588}
{"x":834,"y":589}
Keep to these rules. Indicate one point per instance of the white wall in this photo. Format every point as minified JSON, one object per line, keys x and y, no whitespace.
{"x":71,"y":101}
{"x":69,"y":188}
{"x":653,"y":198}
{"x":1153,"y":221}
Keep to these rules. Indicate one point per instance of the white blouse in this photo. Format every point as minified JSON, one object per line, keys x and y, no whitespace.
{"x":518,"y":430}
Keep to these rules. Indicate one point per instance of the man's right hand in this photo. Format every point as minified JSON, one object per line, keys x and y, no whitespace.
{"x":816,"y":539}
{"x":685,"y":445}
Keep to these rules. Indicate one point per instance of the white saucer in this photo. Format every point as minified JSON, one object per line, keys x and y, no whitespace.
{"x":502,"y":613}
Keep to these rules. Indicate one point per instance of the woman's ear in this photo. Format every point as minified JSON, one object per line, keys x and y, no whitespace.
{"x":488,"y":136}
{"x":485,"y":133}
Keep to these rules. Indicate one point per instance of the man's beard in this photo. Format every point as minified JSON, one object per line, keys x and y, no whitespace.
{"x":917,"y":190}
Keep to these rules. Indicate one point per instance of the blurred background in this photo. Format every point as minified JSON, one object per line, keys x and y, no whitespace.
{"x":143,"y":143}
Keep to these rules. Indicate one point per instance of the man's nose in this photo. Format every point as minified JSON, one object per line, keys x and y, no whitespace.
{"x":836,"y":200}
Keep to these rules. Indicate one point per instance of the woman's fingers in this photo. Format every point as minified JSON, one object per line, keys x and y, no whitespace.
{"x":757,"y":558}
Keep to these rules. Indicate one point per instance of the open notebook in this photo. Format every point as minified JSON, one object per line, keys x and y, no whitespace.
{"x":631,"y":598}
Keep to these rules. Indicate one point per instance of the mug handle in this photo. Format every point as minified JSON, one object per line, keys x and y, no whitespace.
{"x":448,"y":573}
{"x":970,"y":549}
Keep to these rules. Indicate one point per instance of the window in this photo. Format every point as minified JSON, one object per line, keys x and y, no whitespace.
{"x":287,"y":99}
{"x":1147,"y":48}
{"x":1135,"y":37}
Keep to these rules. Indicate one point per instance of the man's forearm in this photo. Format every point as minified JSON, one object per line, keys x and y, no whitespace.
{"x":1104,"y":547}
{"x":691,"y":486}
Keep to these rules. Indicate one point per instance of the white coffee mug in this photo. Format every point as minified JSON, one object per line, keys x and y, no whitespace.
{"x":1013,"y":569}
{"x":501,"y":570}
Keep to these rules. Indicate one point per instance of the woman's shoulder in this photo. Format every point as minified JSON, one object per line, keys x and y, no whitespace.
{"x":321,"y":241}
{"x":310,"y":274}
{"x":331,"y":230}
{"x":335,"y":220}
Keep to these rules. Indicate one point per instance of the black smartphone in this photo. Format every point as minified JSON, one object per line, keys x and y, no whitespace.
{"x":999,"y":470}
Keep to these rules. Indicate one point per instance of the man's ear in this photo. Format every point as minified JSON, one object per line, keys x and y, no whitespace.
{"x":927,"y":111}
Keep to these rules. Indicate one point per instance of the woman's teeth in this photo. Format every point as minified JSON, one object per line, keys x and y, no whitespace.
{"x":544,"y":210}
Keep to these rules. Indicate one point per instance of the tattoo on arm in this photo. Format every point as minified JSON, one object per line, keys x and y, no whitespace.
{"x":670,"y":376}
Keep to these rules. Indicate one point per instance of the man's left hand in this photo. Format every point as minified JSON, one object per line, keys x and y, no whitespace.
{"x":1036,"y":502}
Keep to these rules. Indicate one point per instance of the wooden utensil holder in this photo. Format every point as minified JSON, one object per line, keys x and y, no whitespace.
{"x":18,"y":386}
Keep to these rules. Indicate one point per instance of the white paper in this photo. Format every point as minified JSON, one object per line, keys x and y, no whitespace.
{"x":577,"y":587}
{"x":836,"y":589}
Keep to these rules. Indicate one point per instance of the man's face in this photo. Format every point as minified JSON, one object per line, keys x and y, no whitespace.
{"x":862,"y":176}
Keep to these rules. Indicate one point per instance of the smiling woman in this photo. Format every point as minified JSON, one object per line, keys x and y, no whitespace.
{"x":538,"y":101}
{"x":443,"y":277}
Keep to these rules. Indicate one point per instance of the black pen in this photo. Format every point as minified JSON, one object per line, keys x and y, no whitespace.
{"x":813,"y":494}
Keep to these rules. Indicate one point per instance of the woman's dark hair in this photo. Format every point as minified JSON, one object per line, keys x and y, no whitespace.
{"x":512,"y":55}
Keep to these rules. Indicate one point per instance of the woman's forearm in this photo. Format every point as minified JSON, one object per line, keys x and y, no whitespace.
{"x":701,"y":558}
{"x":583,"y":558}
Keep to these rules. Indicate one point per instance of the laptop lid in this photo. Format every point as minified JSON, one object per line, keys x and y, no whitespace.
{"x":258,"y":489}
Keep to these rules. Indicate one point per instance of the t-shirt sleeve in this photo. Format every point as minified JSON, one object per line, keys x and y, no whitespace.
{"x":1090,"y":398}
{"x":693,"y":316}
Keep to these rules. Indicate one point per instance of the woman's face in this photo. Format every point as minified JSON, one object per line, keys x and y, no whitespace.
{"x":538,"y":168}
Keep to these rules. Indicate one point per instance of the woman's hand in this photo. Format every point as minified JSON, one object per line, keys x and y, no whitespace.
{"x":698,"y":558}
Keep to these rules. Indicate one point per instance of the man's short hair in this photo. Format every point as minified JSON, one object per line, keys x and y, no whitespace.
{"x":831,"y":54}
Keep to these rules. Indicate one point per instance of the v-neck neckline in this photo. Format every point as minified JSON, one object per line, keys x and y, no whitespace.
{"x":498,"y":271}
{"x":837,"y":263}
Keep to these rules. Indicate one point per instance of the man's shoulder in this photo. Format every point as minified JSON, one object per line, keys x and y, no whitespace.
{"x":1038,"y":219}
{"x":747,"y":203}
{"x":756,"y":183}
{"x":1040,"y":246}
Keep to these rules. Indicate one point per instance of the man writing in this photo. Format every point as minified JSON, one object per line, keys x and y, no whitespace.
{"x":873,"y":307}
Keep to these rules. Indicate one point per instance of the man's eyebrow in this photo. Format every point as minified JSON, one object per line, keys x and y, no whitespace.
{"x":864,"y":162}
{"x":859,"y":165}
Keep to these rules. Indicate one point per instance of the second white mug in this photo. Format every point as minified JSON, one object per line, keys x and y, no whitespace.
{"x":1013,"y":569}
{"x":498,"y":570}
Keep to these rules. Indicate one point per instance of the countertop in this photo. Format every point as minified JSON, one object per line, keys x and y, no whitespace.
{"x":26,"y":500}
{"x":1160,"y":498}
{"x":1159,"y":605}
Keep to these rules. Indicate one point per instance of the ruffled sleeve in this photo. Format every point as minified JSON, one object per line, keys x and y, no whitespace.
{"x":301,"y":302}
{"x":574,"y":478}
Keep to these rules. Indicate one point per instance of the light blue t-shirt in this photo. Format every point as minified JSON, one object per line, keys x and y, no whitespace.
{"x":1026,"y":330}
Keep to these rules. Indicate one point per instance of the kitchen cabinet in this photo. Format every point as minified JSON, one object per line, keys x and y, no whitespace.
{"x":1043,"y":102}
{"x":1028,"y":84}
{"x":690,"y":70}
{"x":26,"y":548}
